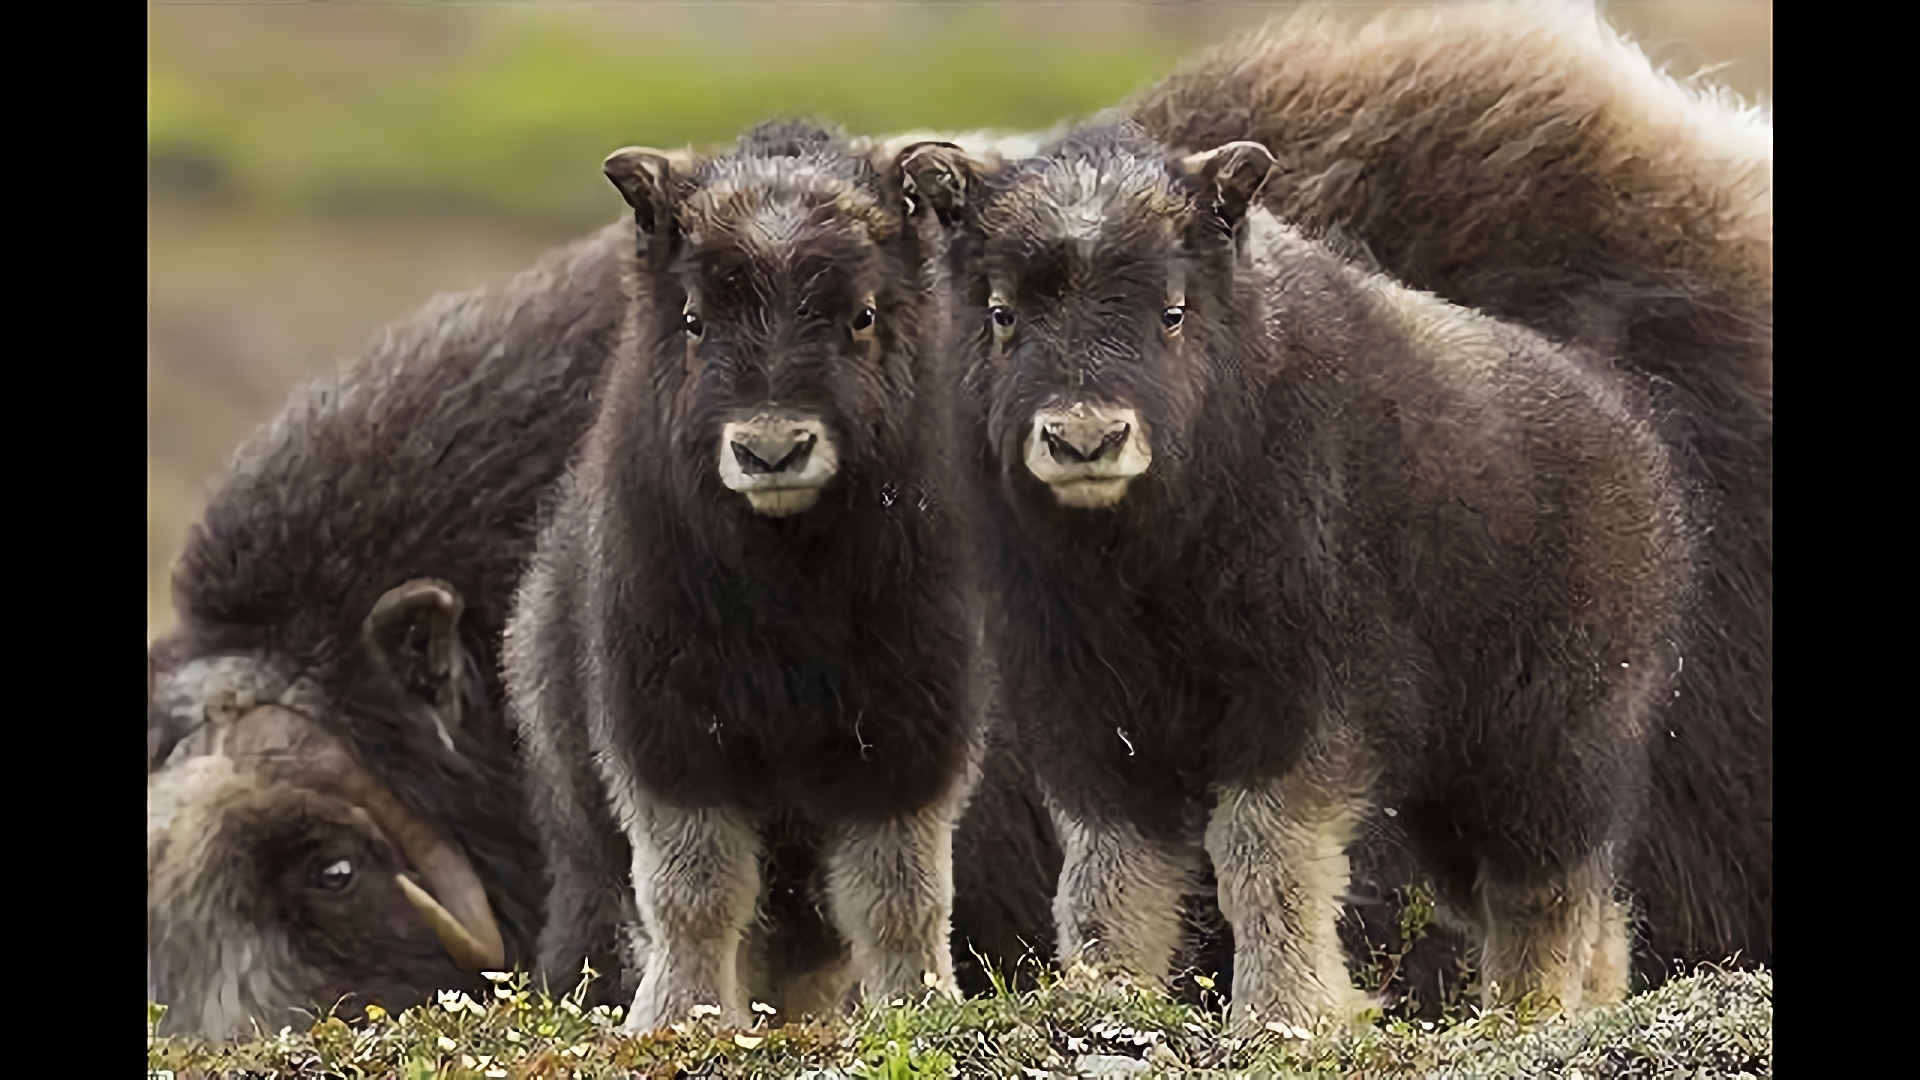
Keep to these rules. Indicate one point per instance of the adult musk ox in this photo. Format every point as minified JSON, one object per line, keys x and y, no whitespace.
{"x":1538,"y":168}
{"x":752,"y":624}
{"x":1273,"y":540}
{"x":331,"y":807}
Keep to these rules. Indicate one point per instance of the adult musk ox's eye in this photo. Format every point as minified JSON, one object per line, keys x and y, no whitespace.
{"x":863,"y":320}
{"x":1003,"y":317}
{"x":695,"y":328}
{"x":333,"y":876}
{"x":1173,"y":317}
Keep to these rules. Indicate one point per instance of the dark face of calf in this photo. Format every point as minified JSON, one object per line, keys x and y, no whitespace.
{"x":1105,"y":306}
{"x":781,"y":315}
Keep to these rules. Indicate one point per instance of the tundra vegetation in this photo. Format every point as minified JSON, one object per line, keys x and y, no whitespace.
{"x":1711,"y":1023}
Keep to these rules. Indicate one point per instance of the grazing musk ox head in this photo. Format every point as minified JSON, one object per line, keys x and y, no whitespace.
{"x":284,"y":874}
{"x":1104,"y":292}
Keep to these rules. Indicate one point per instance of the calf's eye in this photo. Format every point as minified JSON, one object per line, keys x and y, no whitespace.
{"x":694,"y":327}
{"x":1173,"y":317}
{"x":863,"y":320}
{"x":334,"y":876}
{"x":1003,"y":317}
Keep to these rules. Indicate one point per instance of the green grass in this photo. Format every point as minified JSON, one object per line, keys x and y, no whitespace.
{"x":510,"y":112}
{"x":1712,"y":1023}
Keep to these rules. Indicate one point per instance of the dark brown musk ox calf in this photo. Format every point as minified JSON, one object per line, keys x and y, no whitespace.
{"x":752,"y":623}
{"x":1530,"y":163}
{"x":334,"y":813}
{"x":1274,"y":540}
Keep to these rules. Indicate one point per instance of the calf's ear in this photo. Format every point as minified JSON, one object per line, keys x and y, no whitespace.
{"x":1236,"y":172}
{"x":645,"y":179}
{"x":414,"y":633}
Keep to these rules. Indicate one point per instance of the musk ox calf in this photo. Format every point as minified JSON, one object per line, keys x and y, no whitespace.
{"x":331,"y":794}
{"x":1273,"y":540}
{"x":1539,"y":168}
{"x":751,"y":623}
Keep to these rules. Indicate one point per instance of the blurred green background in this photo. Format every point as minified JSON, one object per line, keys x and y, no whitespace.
{"x":317,"y":171}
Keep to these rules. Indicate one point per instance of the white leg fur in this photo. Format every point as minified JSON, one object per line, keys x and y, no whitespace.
{"x":1118,"y":903}
{"x":890,"y":895}
{"x":696,"y":878}
{"x":1280,"y":855}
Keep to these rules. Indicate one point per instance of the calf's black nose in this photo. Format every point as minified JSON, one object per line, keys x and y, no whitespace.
{"x":1075,"y":444}
{"x":789,"y":454}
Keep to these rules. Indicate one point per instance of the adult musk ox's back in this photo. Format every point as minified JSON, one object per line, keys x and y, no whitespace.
{"x":326,"y":715}
{"x":1540,"y":169}
{"x":752,"y":619}
{"x":1275,"y":541}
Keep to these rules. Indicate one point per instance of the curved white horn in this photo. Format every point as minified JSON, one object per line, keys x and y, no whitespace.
{"x":456,"y":890}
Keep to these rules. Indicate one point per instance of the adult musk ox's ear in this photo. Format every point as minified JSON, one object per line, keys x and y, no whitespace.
{"x":1236,"y":172}
{"x":644,"y":177}
{"x":934,"y":175}
{"x":413,"y":633}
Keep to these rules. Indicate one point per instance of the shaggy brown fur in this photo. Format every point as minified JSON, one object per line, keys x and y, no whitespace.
{"x":1540,"y":169}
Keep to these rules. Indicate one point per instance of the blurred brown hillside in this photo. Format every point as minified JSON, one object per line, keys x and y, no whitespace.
{"x":317,"y":171}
